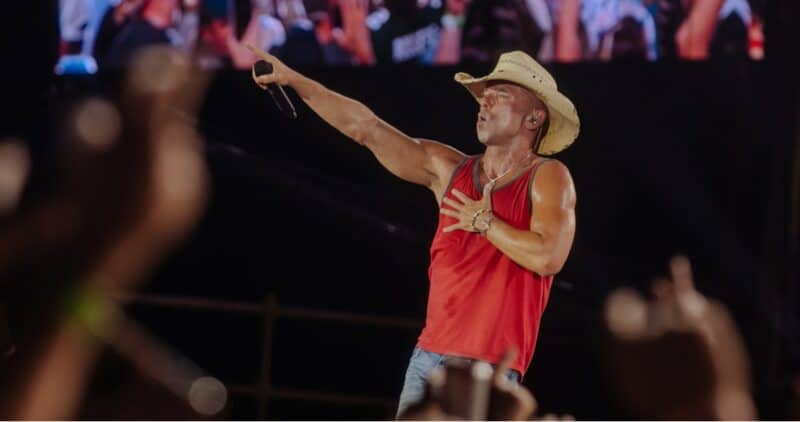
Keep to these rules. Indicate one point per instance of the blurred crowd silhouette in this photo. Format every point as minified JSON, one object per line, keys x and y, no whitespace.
{"x":131,"y":183}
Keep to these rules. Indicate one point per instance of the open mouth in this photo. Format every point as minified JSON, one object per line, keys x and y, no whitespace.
{"x":481,"y":118}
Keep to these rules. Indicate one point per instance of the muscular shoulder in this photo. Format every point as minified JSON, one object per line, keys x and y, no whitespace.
{"x":442,"y":160}
{"x":553,"y":185}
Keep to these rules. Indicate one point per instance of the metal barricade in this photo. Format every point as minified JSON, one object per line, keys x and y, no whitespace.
{"x":270,"y":310}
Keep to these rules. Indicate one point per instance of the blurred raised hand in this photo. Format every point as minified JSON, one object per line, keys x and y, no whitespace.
{"x":679,"y":355}
{"x":445,"y":399}
{"x":567,"y":40}
{"x":694,"y":36}
{"x":355,"y":35}
{"x":509,"y":400}
{"x":132,"y":185}
{"x":448,"y":52}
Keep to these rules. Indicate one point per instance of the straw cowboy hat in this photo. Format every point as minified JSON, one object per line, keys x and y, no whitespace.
{"x":521,"y":69}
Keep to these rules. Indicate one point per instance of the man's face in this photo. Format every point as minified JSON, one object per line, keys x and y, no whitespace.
{"x":504,"y":109}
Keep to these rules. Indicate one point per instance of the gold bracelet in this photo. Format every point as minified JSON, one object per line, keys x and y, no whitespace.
{"x":475,"y":217}
{"x":487,"y":222}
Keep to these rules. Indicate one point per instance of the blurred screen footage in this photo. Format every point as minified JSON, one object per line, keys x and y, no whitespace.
{"x":98,"y":34}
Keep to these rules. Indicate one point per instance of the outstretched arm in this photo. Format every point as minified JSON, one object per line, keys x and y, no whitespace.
{"x":423,"y":162}
{"x":695,"y":33}
{"x":542,"y":247}
{"x":568,"y":43}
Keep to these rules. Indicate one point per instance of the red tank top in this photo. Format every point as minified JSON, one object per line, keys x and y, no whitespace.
{"x":480,"y":301}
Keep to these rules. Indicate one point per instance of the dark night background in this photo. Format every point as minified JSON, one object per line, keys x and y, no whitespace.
{"x":691,"y":158}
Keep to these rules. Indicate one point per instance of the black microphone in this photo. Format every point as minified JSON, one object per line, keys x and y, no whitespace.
{"x":276,"y":91}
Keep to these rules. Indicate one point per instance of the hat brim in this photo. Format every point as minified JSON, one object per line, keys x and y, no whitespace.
{"x":564,"y":122}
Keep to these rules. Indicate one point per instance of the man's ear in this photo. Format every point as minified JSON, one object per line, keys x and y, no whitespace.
{"x":535,"y":119}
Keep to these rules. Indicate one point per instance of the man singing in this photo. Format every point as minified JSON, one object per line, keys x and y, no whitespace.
{"x":507,"y":216}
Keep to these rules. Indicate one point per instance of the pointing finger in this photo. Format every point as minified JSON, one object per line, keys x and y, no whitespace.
{"x":259,"y":52}
{"x":681,"y":271}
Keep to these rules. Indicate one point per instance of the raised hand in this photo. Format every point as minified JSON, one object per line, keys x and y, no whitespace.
{"x":355,"y":37}
{"x":466,"y":210}
{"x":509,"y":401}
{"x":281,"y":74}
{"x":686,"y":341}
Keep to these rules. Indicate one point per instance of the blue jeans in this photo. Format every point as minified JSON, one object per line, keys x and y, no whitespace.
{"x":420,"y":366}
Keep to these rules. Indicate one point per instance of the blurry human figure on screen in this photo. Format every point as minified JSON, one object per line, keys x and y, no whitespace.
{"x":302,"y":45}
{"x":333,"y":32}
{"x":76,"y":19}
{"x":507,"y":216}
{"x":149,"y":29}
{"x":696,"y":30}
{"x":73,"y":16}
{"x":114,"y":19}
{"x":617,"y":29}
{"x":552,"y":30}
{"x":448,"y":51}
{"x":181,"y":29}
{"x":224,"y":37}
{"x":492,"y":27}
{"x":408,"y":31}
{"x":731,"y":37}
{"x":569,"y":38}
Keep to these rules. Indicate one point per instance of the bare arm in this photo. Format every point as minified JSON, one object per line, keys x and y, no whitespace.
{"x":568,"y":44}
{"x":694,"y":35}
{"x":241,"y":56}
{"x":449,"y":49}
{"x":544,"y":246}
{"x":423,"y":162}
